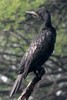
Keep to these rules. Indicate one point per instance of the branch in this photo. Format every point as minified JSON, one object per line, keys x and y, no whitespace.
{"x":29,"y":89}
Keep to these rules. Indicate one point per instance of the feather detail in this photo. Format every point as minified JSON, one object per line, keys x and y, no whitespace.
{"x":16,"y":85}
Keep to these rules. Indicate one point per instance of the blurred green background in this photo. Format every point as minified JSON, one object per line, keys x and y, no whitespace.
{"x":16,"y":32}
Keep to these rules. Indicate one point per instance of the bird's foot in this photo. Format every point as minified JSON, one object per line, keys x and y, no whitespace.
{"x":41,"y":73}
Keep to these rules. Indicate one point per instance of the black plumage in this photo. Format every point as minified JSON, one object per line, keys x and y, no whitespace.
{"x":39,"y":50}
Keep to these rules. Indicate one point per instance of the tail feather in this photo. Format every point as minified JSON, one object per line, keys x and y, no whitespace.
{"x":16,"y":84}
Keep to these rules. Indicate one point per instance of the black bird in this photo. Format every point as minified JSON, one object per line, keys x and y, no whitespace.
{"x":39,"y":50}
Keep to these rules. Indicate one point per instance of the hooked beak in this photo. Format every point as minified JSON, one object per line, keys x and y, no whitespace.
{"x":32,"y":13}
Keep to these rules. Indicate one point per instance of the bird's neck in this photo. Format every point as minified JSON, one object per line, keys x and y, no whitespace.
{"x":48,"y":24}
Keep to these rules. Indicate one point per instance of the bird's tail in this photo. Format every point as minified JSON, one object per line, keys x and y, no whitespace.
{"x":16,"y":84}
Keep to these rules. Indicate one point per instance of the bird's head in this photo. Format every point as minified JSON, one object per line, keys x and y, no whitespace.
{"x":43,"y":15}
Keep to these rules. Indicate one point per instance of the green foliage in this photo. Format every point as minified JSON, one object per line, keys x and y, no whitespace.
{"x":8,"y":8}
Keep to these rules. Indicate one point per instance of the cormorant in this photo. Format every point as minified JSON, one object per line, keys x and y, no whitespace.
{"x":39,"y":50}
